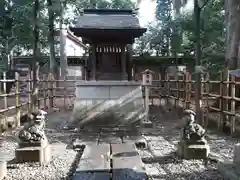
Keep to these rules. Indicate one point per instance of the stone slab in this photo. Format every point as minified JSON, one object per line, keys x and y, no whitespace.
{"x":33,"y":154}
{"x":139,"y":141}
{"x":236,"y":158}
{"x":80,"y":143}
{"x":127,"y":163}
{"x":92,"y":176}
{"x":108,"y":104}
{"x":3,"y":169}
{"x":95,"y":158}
{"x":28,"y":144}
{"x":228,"y":170}
{"x":193,"y":151}
{"x":110,"y":140}
{"x":146,"y":124}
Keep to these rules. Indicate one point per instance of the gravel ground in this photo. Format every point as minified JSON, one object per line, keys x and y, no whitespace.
{"x":62,"y":155}
{"x":162,"y":142}
{"x":162,"y":147}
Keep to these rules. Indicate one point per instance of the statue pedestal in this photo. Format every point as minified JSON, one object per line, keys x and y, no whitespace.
{"x":33,"y":152}
{"x":199,"y":150}
{"x":231,"y":169}
{"x":3,"y":169}
{"x":236,"y":157}
{"x":146,"y":124}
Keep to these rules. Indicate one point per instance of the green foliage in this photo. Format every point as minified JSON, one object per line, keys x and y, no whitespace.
{"x":19,"y":33}
{"x":182,"y":37}
{"x":212,"y":35}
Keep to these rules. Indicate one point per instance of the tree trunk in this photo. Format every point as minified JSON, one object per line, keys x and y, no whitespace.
{"x":197,"y":11}
{"x":53,"y":65}
{"x":35,"y":52}
{"x":63,"y":57}
{"x":233,"y":35}
{"x":232,"y":59}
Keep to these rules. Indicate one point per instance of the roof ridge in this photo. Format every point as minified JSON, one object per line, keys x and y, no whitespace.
{"x":108,"y":11}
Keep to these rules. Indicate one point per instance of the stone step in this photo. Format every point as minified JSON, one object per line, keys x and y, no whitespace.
{"x":3,"y":166}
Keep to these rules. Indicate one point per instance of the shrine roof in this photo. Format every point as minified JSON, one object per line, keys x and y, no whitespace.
{"x":107,"y":19}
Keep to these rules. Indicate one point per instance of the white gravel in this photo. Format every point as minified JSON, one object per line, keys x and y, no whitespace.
{"x":62,"y":155}
{"x":162,"y":144}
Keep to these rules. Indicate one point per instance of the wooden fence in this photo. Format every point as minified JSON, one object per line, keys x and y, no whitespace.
{"x":50,"y":94}
{"x":215,"y":104}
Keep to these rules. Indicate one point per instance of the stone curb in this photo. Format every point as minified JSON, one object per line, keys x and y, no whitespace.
{"x":225,"y":167}
{"x":3,"y":169}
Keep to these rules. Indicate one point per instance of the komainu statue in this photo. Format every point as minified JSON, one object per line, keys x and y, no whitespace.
{"x":33,"y":145}
{"x":192,"y":132}
{"x":34,"y":130}
{"x":193,"y":144}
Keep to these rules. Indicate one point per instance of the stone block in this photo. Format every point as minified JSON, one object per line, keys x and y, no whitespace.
{"x":141,"y":143}
{"x":187,"y":151}
{"x":146,"y":124}
{"x":28,"y":144}
{"x":33,"y":154}
{"x":236,"y":158}
{"x":3,"y":169}
{"x":228,"y":170}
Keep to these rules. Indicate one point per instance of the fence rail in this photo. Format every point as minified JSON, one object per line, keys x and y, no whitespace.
{"x":50,"y":93}
{"x":58,"y":93}
{"x":217,"y":97}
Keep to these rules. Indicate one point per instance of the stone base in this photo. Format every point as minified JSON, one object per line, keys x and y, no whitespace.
{"x":141,"y":143}
{"x":228,"y":171}
{"x":28,"y":144}
{"x":236,"y":158}
{"x":33,"y":154}
{"x":146,"y":124}
{"x":187,"y":151}
{"x":3,"y":169}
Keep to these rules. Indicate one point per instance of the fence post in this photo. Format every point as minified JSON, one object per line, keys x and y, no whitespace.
{"x":50,"y":91}
{"x":201,"y":98}
{"x":178,"y":87}
{"x":18,"y":112}
{"x":220,"y":120}
{"x":64,"y":91}
{"x":5,"y":90}
{"x":45,"y":91}
{"x":29,"y":92}
{"x":168,"y":88}
{"x":189,"y":92}
{"x":175,"y":91}
{"x":233,"y":118}
{"x":186,"y":82}
{"x":207,"y":86}
{"x":39,"y":92}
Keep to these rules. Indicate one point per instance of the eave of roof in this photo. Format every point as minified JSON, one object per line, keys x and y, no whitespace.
{"x":75,"y":39}
{"x":108,"y":11}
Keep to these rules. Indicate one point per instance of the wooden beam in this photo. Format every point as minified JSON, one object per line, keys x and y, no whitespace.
{"x":93,"y":62}
{"x":129,"y":62}
{"x":123,"y":62}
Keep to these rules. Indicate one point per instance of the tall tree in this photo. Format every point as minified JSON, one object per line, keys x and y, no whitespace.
{"x":164,"y":17}
{"x":36,"y":8}
{"x":53,"y":64}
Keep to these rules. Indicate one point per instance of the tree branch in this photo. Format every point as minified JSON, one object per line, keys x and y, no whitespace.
{"x":204,"y":4}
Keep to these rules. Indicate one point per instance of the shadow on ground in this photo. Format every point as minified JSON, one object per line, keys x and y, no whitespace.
{"x":186,"y":175}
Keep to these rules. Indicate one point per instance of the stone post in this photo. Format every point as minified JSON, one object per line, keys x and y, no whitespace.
{"x":236,"y":159}
{"x":3,"y":169}
{"x":147,"y":77}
